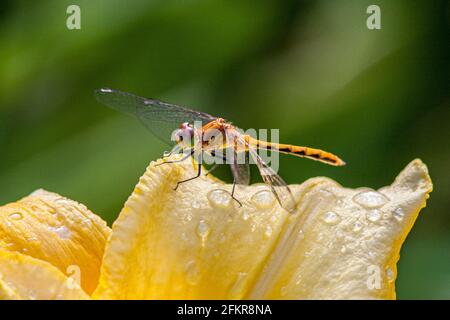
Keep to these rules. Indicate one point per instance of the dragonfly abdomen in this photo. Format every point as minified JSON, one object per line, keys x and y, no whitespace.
{"x":299,"y":151}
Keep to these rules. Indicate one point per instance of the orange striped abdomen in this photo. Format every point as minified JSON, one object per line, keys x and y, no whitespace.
{"x":304,"y":152}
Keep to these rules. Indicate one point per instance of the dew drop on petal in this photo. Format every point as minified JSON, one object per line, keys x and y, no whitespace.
{"x":373,"y":215}
{"x":62,"y":232}
{"x":32,"y":239}
{"x":331,"y":217}
{"x":86,"y":224}
{"x":389,"y":274}
{"x":203,"y":230}
{"x":298,"y":279}
{"x":343,"y":249}
{"x":192,"y":273}
{"x":195,"y":205}
{"x":268,"y":231}
{"x":263,"y":199}
{"x":245,"y":215}
{"x":399,"y":214}
{"x":15,"y":216}
{"x":219,"y":198}
{"x":357,"y":226}
{"x":370,"y":199}
{"x":237,"y":288}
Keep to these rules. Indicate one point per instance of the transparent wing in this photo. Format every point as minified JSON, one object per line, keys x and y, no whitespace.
{"x":240,"y":170}
{"x":279,"y":187}
{"x":159,"y":117}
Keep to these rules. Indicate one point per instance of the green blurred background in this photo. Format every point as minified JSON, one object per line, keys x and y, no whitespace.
{"x":378,"y":98}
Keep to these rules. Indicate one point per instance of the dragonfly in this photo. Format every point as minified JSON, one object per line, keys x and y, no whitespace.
{"x":173,"y":123}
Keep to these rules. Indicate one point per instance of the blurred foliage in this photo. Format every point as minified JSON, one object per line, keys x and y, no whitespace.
{"x":378,"y":98}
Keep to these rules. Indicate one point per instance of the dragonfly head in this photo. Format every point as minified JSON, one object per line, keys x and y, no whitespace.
{"x":183,"y":135}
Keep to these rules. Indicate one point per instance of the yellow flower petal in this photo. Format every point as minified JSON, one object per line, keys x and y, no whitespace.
{"x":55,"y":229}
{"x":24,"y":277}
{"x":350,"y":240}
{"x":196,"y":243}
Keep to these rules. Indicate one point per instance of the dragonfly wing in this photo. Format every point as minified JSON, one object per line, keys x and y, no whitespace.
{"x":159,"y":117}
{"x":279,"y":187}
{"x":241,"y":171}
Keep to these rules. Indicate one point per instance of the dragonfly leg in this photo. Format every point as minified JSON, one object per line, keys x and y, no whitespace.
{"x":199,"y":171}
{"x":191,"y":152}
{"x":232,"y":194}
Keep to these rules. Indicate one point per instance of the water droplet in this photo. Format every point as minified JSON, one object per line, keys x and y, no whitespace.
{"x":219,"y":198}
{"x":16,"y":216}
{"x":343,"y":249}
{"x":370,"y":199}
{"x":62,"y":232}
{"x":301,"y":234}
{"x":320,"y":237}
{"x":325,"y":192}
{"x":298,"y":279}
{"x":268,"y":231}
{"x":331,"y":218}
{"x":263,"y":199}
{"x":32,"y":239}
{"x":357,"y":226}
{"x":105,"y":90}
{"x":373,"y":215}
{"x":192,"y":273}
{"x":389,"y":274}
{"x":195,"y":205}
{"x":237,"y":289}
{"x":86,"y":224}
{"x":245,"y":215}
{"x":203,"y":230}
{"x":399,"y":214}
